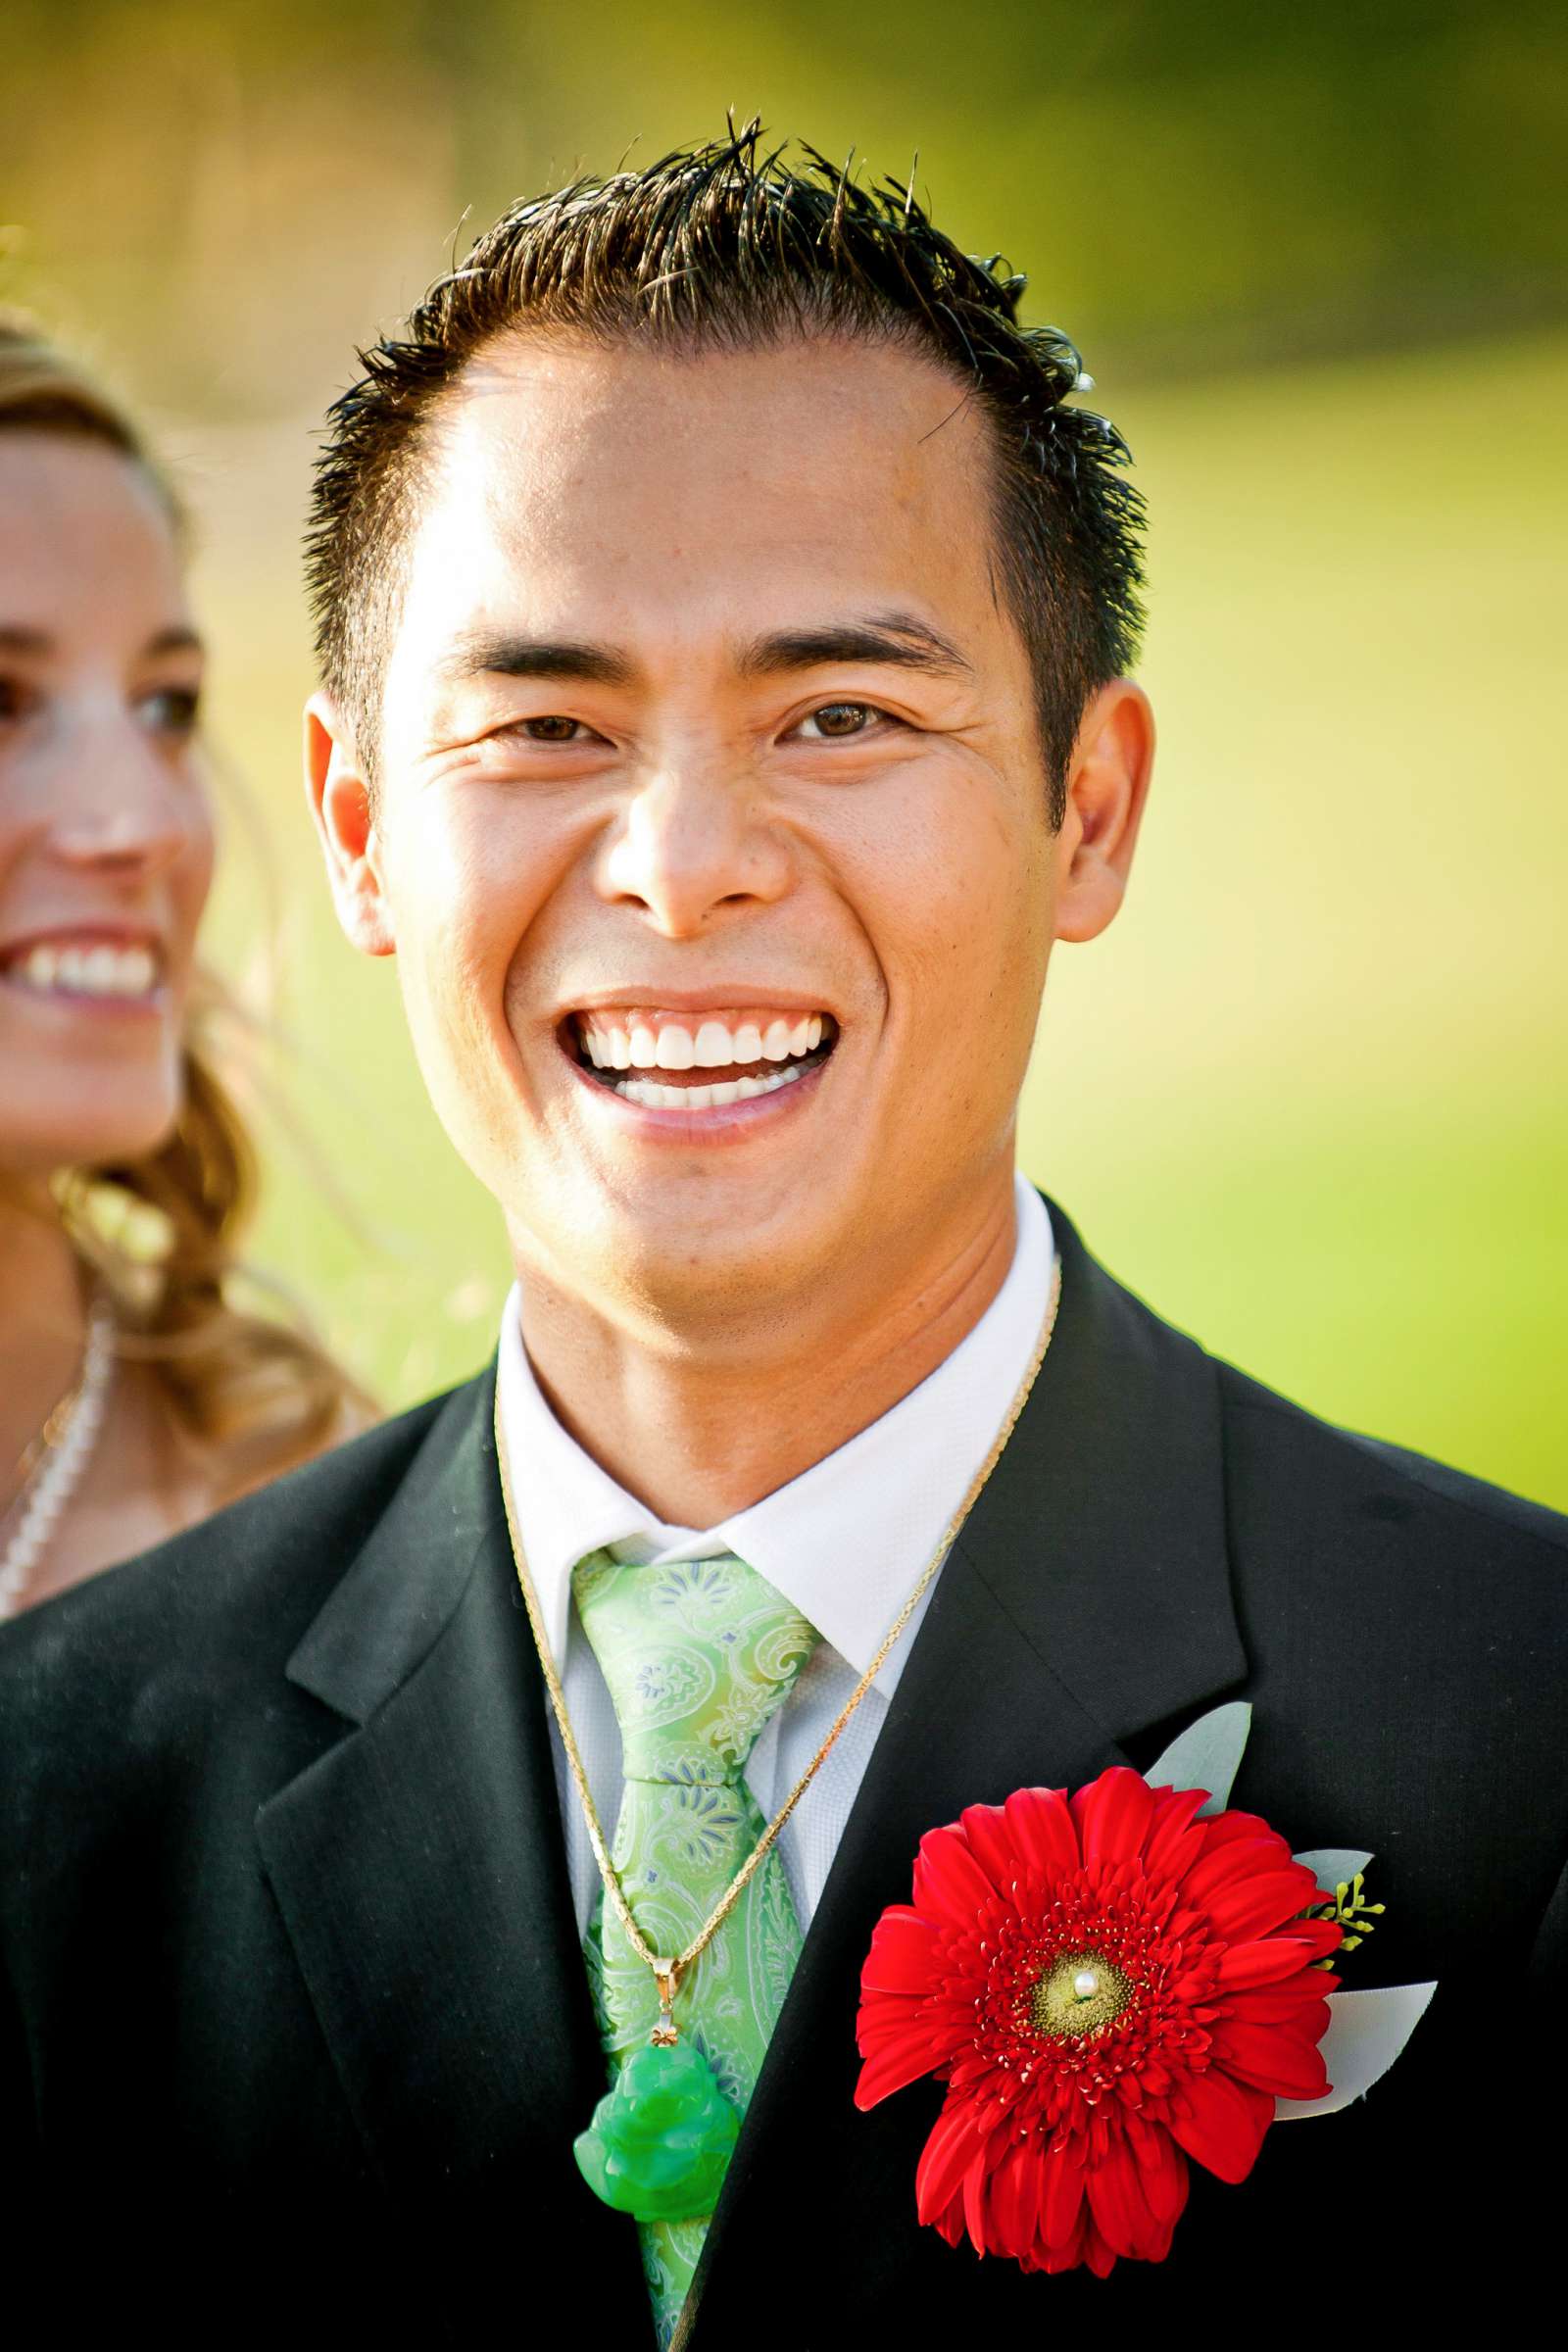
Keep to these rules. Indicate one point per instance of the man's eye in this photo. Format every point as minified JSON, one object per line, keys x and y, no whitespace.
{"x":833,"y":721}
{"x":556,"y":729}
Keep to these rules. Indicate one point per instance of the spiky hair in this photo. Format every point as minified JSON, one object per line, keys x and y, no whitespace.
{"x":726,"y":247}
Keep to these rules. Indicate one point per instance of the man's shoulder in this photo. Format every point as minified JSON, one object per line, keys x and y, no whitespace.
{"x":228,"y":1599}
{"x":1339,"y":1486}
{"x":1290,"y":1474}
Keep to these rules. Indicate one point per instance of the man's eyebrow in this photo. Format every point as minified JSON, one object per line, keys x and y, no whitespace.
{"x":509,"y":655}
{"x":897,"y":638}
{"x":15,"y":640}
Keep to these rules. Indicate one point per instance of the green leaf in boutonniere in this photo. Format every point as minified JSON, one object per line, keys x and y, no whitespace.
{"x":1349,"y":1909}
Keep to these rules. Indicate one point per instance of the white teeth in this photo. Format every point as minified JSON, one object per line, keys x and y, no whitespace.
{"x":96,"y":971}
{"x":715,"y":1046}
{"x":654,"y":1097}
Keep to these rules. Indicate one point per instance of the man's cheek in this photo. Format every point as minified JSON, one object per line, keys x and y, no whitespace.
{"x":447,"y":1012}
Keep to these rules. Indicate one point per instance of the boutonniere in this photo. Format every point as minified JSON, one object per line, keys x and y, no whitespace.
{"x":1111,"y":1985}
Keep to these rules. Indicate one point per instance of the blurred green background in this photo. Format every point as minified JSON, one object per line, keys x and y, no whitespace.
{"x":1307,"y":1096}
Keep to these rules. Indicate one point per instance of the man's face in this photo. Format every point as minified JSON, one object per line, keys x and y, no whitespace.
{"x":711,"y":828}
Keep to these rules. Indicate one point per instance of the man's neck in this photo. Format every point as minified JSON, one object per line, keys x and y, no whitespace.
{"x":700,"y":1433}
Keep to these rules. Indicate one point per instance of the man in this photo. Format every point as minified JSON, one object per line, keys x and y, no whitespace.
{"x":723,"y":615}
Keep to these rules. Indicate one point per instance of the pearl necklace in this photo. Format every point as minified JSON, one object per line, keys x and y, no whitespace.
{"x":59,"y":1475}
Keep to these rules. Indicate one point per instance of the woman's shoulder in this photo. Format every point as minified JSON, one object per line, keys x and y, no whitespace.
{"x":212,"y":1481}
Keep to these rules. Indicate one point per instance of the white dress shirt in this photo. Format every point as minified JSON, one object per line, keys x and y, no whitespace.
{"x":845,"y":1543}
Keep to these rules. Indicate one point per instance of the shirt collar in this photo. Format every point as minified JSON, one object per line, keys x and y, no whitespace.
{"x":845,"y":1540}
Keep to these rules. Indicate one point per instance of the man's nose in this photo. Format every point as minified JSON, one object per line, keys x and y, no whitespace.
{"x":694,"y":843}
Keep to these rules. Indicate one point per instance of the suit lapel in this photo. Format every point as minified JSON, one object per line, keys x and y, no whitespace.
{"x":420,"y":1874}
{"x":1087,"y":1600}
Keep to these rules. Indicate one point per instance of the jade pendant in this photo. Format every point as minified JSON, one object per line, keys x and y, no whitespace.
{"x":661,"y":2140}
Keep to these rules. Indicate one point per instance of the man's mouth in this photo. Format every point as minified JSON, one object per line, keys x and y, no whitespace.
{"x":698,"y":1061}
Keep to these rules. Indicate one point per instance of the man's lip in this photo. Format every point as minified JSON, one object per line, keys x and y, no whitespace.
{"x":722,"y":997}
{"x":721,"y":1123}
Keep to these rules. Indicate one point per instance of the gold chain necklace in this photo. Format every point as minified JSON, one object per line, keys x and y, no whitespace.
{"x":667,"y":1972}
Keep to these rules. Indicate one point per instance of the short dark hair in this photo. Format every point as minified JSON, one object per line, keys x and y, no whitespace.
{"x":723,"y":247}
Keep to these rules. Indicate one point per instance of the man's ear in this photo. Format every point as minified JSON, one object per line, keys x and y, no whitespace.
{"x":1108,"y":784}
{"x":345,"y":824}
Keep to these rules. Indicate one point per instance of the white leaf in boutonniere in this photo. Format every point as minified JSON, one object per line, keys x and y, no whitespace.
{"x":1334,"y":1866}
{"x":1206,"y":1755}
{"x":1367,"y":2031}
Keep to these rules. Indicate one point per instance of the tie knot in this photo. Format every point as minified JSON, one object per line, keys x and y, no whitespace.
{"x":696,"y":1655}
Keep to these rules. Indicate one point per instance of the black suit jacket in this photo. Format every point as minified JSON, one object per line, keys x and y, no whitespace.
{"x":293,"y":2008}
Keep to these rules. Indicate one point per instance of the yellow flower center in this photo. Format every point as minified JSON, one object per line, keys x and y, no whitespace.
{"x":1081,"y":1995}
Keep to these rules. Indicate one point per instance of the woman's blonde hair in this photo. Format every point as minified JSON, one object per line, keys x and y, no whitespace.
{"x":252,"y":1391}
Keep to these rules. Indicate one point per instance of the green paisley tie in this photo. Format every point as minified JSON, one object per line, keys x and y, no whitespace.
{"x":696,"y":1654}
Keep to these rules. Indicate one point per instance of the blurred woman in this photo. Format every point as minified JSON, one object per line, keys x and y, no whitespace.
{"x":137,"y":1394}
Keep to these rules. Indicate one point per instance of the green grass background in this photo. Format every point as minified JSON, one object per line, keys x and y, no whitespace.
{"x":1306,"y":1097}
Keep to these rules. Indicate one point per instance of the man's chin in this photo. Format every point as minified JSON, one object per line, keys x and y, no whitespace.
{"x":685,"y":1254}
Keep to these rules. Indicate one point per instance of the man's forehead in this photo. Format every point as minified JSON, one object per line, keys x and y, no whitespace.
{"x":557,"y":407}
{"x":657,"y":507}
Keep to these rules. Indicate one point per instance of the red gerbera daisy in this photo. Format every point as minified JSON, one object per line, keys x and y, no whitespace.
{"x":1107,"y":1986}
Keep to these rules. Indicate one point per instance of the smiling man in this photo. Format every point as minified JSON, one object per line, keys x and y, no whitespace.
{"x":461,"y":1861}
{"x":701,"y":797}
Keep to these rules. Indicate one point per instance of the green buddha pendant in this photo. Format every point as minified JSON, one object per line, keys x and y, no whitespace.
{"x":660,"y":2142}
